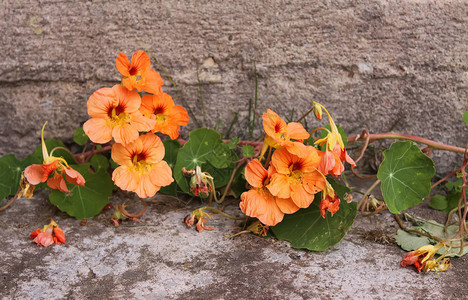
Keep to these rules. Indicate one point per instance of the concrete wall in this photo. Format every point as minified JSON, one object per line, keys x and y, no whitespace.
{"x":380,"y":65}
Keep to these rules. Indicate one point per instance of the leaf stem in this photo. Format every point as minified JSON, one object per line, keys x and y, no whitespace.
{"x":402,"y":136}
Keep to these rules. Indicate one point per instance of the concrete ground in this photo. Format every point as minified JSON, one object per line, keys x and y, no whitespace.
{"x":160,"y":258}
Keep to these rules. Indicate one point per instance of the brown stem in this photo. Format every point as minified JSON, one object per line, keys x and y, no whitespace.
{"x":228,"y":186}
{"x":400,"y":223}
{"x":401,"y":136}
{"x":10,"y":202}
{"x":129,"y":215}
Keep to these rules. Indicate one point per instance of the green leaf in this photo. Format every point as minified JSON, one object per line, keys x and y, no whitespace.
{"x":171,"y":148}
{"x":438,"y":202}
{"x":248,"y":151}
{"x":99,"y":162}
{"x":307,"y":229}
{"x":10,"y":173}
{"x":409,"y":241}
{"x":233,"y":142}
{"x":406,"y":176}
{"x":84,"y":202}
{"x":80,"y":137}
{"x":206,"y":149}
{"x":51,"y":144}
{"x":465,"y":117}
{"x":221,"y":157}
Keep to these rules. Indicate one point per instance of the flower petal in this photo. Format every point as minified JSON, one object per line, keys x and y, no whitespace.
{"x":287,"y":206}
{"x":98,"y":130}
{"x":74,"y":176}
{"x":262,"y":205}
{"x":255,"y":173}
{"x":161,"y":174}
{"x":279,"y":186}
{"x":152,"y":147}
{"x":125,"y":134}
{"x":58,"y":183}
{"x":296,"y":131}
{"x":123,"y":64}
{"x":300,"y":197}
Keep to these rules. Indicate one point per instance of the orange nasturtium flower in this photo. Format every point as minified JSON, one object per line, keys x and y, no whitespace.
{"x":138,"y":74}
{"x":279,"y":134}
{"x":259,"y":202}
{"x":169,"y":117}
{"x":296,"y":178}
{"x":36,"y":174}
{"x":48,"y":235}
{"x":115,"y":114}
{"x":141,"y":169}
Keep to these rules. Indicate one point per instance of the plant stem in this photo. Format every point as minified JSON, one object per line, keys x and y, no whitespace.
{"x":402,"y":136}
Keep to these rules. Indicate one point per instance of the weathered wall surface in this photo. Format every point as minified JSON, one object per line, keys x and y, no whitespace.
{"x":381,"y":65}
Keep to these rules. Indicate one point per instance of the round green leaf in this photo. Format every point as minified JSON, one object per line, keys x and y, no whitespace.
{"x":204,"y":148}
{"x":248,"y":151}
{"x":406,"y":176}
{"x":465,"y":117}
{"x":99,"y":162}
{"x":307,"y":229}
{"x":80,"y":137}
{"x":84,"y":202}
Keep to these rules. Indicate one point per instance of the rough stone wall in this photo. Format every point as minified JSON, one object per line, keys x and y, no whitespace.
{"x":381,"y":65}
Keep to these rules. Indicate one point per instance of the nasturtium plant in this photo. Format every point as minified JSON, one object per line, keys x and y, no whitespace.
{"x":83,"y":202}
{"x":406,"y":176}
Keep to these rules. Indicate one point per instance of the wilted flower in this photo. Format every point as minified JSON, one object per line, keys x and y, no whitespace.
{"x":419,"y":257}
{"x":36,"y":174}
{"x":200,"y":217}
{"x":48,"y":235}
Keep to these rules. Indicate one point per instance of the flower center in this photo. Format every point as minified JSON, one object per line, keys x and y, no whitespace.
{"x":117,"y":116}
{"x":139,"y":163}
{"x":133,"y":71}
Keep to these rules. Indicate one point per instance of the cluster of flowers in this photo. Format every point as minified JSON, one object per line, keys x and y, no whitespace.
{"x":295,"y":173}
{"x":122,"y":112}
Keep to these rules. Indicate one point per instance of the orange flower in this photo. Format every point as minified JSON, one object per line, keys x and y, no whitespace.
{"x":259,"y":202}
{"x":141,"y":169}
{"x":48,"y":235}
{"x":279,"y":134}
{"x":138,"y":74}
{"x":36,"y":174}
{"x":114,"y":114}
{"x":169,"y":117}
{"x":332,"y":161}
{"x":296,"y":177}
